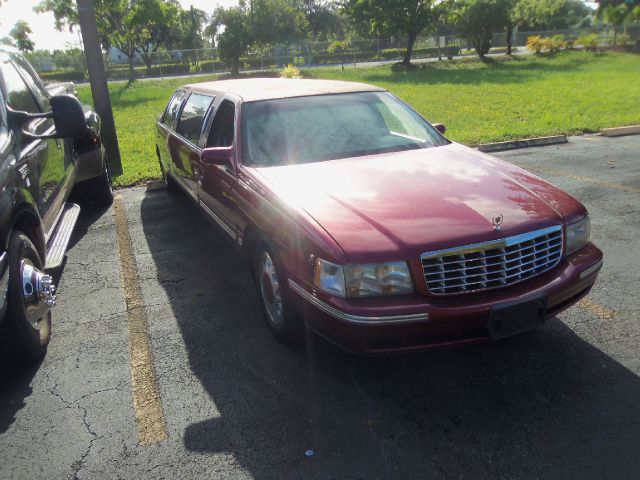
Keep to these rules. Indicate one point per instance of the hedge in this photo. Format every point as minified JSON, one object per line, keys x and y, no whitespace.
{"x":63,"y":76}
{"x":121,"y":71}
{"x":392,"y":53}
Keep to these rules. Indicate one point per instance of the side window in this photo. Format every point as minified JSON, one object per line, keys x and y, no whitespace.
{"x":31,"y":78}
{"x":18,"y":95}
{"x":192,"y":116}
{"x":173,"y":108}
{"x":223,"y":127}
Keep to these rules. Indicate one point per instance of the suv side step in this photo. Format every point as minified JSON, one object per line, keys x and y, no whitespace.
{"x":58,"y":242}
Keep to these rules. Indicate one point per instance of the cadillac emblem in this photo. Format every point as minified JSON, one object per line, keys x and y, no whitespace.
{"x":497,"y":220}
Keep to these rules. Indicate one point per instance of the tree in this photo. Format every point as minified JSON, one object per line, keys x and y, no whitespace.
{"x":479,"y":19}
{"x":234,"y":40}
{"x":276,"y":22}
{"x":616,"y":15}
{"x":156,"y":21}
{"x":20,"y":34}
{"x":550,"y":14}
{"x":132,"y":26}
{"x":324,"y":20}
{"x":192,"y":26}
{"x":392,"y":16}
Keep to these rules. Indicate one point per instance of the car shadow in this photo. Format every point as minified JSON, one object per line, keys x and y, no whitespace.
{"x":545,"y":404}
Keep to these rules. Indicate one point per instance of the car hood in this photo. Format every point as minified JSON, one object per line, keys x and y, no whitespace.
{"x":402,"y":204}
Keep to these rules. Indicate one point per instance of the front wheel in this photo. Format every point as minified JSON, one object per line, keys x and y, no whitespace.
{"x":272,"y":288}
{"x":31,"y":295}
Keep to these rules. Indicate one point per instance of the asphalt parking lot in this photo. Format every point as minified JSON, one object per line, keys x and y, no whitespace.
{"x":161,"y":365}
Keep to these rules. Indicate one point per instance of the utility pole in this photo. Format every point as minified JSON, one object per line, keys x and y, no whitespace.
{"x":98,"y":81}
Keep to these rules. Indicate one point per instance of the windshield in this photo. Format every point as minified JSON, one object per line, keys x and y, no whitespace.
{"x":326,"y":127}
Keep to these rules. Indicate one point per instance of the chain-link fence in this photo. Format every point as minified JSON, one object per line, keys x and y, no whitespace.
{"x":310,"y":54}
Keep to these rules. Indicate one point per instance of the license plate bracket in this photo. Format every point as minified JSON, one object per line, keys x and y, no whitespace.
{"x":509,"y":318}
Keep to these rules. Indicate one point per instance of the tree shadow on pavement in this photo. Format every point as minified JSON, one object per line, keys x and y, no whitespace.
{"x":545,"y":404}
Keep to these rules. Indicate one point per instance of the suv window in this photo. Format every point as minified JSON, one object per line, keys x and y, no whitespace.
{"x":172,"y":109}
{"x":29,"y":76}
{"x":192,"y":116}
{"x":223,"y":127}
{"x":19,"y":96}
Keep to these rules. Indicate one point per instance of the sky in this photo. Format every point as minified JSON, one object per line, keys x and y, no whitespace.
{"x":46,"y":37}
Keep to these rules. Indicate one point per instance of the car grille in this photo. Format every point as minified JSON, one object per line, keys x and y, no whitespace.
{"x":492,"y":264}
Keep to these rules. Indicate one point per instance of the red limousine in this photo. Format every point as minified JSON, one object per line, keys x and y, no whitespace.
{"x":363,"y":223}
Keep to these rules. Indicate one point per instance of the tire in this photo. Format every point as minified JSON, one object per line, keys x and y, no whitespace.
{"x":169,"y":182}
{"x":271,"y":282}
{"x":27,"y":340}
{"x":97,"y":191}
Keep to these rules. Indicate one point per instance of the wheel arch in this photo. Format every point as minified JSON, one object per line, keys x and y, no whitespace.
{"x":28,"y":222}
{"x":252,"y":235}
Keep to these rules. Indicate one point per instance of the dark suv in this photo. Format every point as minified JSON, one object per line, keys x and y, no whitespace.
{"x":50,"y":148}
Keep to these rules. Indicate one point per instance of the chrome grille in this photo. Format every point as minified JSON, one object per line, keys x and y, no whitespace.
{"x":492,"y":264}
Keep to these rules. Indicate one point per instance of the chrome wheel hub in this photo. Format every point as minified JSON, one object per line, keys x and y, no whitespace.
{"x":270,"y":290}
{"x":38,"y":293}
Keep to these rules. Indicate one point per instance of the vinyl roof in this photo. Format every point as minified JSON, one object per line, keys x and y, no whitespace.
{"x":254,"y":89}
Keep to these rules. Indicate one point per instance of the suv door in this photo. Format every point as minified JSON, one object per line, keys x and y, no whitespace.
{"x":41,"y":163}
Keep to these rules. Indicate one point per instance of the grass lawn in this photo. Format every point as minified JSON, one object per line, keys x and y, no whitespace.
{"x":502,"y":99}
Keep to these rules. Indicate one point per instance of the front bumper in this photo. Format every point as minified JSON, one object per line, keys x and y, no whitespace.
{"x":414,"y":323}
{"x":4,"y":283}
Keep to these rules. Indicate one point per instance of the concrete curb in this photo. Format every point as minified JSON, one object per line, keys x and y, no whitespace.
{"x":620,"y":131}
{"x":154,"y":185}
{"x":530,"y":142}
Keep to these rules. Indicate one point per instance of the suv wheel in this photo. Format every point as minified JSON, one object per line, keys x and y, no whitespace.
{"x":30,"y":296}
{"x":273,"y":292}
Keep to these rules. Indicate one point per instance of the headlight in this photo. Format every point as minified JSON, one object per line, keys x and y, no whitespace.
{"x":329,"y":277}
{"x":366,"y":280}
{"x":578,"y":235}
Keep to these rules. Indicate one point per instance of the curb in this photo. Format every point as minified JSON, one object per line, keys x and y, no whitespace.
{"x":530,"y":142}
{"x":154,"y":185}
{"x":620,"y":131}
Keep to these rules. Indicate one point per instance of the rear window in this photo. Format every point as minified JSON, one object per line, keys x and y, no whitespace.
{"x":173,"y":107}
{"x":192,"y":116}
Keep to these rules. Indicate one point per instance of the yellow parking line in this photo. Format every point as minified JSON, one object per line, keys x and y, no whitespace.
{"x":150,"y":419}
{"x":597,"y":309}
{"x":595,"y":181}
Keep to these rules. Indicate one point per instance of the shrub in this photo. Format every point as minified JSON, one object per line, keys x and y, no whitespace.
{"x":558,"y":43}
{"x":534,"y":43}
{"x":290,"y":71}
{"x":589,"y":41}
{"x":209,"y":66}
{"x":624,"y":39}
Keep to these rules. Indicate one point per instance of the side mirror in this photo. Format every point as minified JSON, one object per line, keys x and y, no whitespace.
{"x":68,"y":116}
{"x":218,"y":156}
{"x":67,"y":113}
{"x":440,"y":127}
